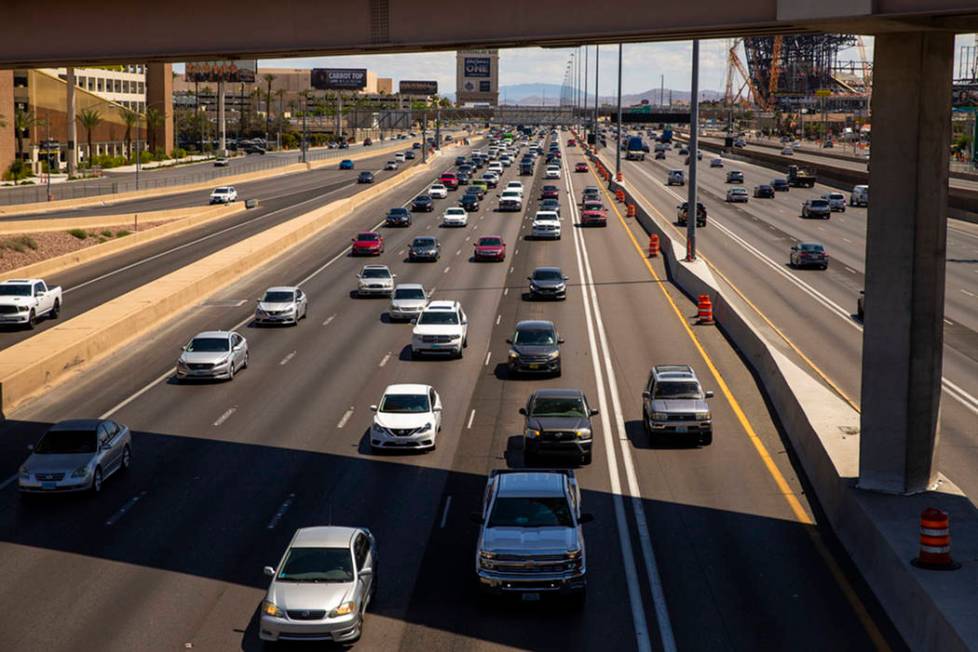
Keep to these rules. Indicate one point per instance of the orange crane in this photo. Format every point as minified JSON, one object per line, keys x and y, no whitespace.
{"x":772,"y":86}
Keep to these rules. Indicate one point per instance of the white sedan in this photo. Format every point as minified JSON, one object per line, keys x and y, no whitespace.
{"x":408,"y":417}
{"x":553,"y":172}
{"x":224,"y":195}
{"x":438,"y":191}
{"x":455,"y":216}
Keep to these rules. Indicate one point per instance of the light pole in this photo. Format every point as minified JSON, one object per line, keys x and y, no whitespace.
{"x":305,"y":110}
{"x":584,"y":100}
{"x":597,"y":69}
{"x":694,"y":113}
{"x":618,"y":150}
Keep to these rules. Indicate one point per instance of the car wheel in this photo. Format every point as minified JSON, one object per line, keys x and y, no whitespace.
{"x":31,"y":320}
{"x":55,"y":309}
{"x":126,"y":459}
{"x":244,"y":365}
{"x":97,"y":480}
{"x":231,"y":371}
{"x":706,"y":439}
{"x":586,"y":458}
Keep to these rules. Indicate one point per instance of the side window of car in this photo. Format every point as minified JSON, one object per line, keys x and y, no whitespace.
{"x":235,"y":340}
{"x":111,"y":428}
{"x":38,"y":288}
{"x":102,"y":435}
{"x":360,"y":550}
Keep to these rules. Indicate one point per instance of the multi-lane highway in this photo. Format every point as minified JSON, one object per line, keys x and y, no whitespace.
{"x":815,"y":310}
{"x":692,"y":549}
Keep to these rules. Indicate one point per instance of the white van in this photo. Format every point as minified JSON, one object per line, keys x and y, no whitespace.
{"x":859,"y":196}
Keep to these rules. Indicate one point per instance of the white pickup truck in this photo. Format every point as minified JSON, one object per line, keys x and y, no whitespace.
{"x":23,"y":301}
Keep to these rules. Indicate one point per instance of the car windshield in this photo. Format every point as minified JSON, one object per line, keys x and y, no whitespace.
{"x":375,"y":272}
{"x":423,"y":198}
{"x":208,"y":345}
{"x":558,"y":406}
{"x":554,"y":189}
{"x":547,"y":275}
{"x":279,"y":297}
{"x":454,"y":211}
{"x":423,"y":242}
{"x":438,"y":317}
{"x":811,"y":247}
{"x":677,"y":389}
{"x":535,"y":337}
{"x":405,"y":403}
{"x":819,"y":203}
{"x":490,"y":242}
{"x":409,"y":293}
{"x":368,"y":237}
{"x":317,"y":565}
{"x":593,"y":206}
{"x":531,"y":512}
{"x":222,"y":191}
{"x":66,"y":442}
{"x":15,"y":290}
{"x":398,"y":211}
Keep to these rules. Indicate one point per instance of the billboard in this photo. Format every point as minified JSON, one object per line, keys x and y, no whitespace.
{"x":964,"y":96}
{"x":418,"y":88}
{"x":243,"y":71}
{"x":477,"y":76}
{"x":338,"y":79}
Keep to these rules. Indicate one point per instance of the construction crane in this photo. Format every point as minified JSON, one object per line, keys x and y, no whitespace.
{"x":736,"y":66}
{"x":867,"y":70}
{"x":772,"y":87}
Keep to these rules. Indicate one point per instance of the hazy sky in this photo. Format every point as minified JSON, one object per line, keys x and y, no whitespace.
{"x":643,"y":64}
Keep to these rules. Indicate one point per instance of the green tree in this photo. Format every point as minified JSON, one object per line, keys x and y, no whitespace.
{"x":131,"y":119}
{"x":269,"y":78}
{"x":23,"y":122}
{"x":154,"y":120}
{"x":90,"y":119}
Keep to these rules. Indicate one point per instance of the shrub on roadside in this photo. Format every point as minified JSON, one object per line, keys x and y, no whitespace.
{"x":20,"y":244}
{"x":121,"y":233}
{"x":81,"y":234}
{"x":179,"y":152}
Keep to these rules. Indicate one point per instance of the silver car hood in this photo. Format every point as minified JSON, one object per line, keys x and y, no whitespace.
{"x":536,"y":541}
{"x":310,"y":595}
{"x":275,"y":307}
{"x":204,"y":357}
{"x":680,"y":405}
{"x":66,"y":462}
{"x":408,"y":303}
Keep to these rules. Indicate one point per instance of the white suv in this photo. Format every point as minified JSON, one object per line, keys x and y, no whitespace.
{"x":441,"y":328}
{"x":408,"y":416}
{"x":224,"y":195}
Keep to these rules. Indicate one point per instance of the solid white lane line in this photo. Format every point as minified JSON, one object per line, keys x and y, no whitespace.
{"x":384,"y":360}
{"x":284,"y":507}
{"x":284,"y":361}
{"x":346,"y":417}
{"x":329,"y":320}
{"x":444,"y":514}
{"x":224,"y":417}
{"x":624,"y":538}
{"x":125,"y":508}
{"x":471,"y":418}
{"x":488,"y":355}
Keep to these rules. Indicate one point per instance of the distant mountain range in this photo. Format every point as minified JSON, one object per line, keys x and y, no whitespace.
{"x":549,"y":94}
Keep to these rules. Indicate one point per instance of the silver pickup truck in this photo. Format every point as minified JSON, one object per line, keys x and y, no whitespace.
{"x":24,"y":301}
{"x":531,"y":541}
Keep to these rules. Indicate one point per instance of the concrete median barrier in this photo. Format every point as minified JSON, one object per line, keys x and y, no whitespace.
{"x":53,"y":356}
{"x":933,"y":611}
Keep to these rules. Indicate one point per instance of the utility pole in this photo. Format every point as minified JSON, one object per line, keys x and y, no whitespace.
{"x":618,"y":150}
{"x":222,"y":135}
{"x":305,"y":111}
{"x":662,"y":90}
{"x":424,"y":137}
{"x":694,"y":114}
{"x":597,"y":56}
{"x":584,"y":100}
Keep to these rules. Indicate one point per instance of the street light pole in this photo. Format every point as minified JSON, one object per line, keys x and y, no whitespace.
{"x":597,"y":69}
{"x":584,"y":100}
{"x":305,"y":111}
{"x":694,"y":113}
{"x":618,"y":150}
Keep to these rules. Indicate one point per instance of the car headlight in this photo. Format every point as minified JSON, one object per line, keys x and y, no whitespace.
{"x":269,"y":608}
{"x":22,"y":308}
{"x":425,"y":428}
{"x":532,"y":434}
{"x":584,"y":433}
{"x":80,"y":472}
{"x":513,"y":355}
{"x":553,"y":355}
{"x":223,"y":362}
{"x":702,"y":416}
{"x":659,"y":416}
{"x":484,"y":554}
{"x":25,"y":473}
{"x":345,"y":609}
{"x":379,"y":429}
{"x":181,"y":364}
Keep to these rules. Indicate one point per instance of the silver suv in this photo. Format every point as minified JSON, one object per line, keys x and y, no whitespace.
{"x":531,"y":541}
{"x":674,"y":403}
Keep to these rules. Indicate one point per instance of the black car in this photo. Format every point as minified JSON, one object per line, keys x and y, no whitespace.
{"x":477,"y":190}
{"x":415,"y":145}
{"x":398,"y":217}
{"x":423,"y":204}
{"x":808,"y":254}
{"x":684,"y":151}
{"x":764,"y":191}
{"x":344,"y":145}
{"x":408,"y":156}
{"x":660,"y":155}
{"x":682,"y":212}
{"x":366,"y":177}
{"x":780,"y":185}
{"x":535,"y":348}
{"x":367,"y":142}
{"x":550,"y":205}
{"x":526,"y":169}
{"x":469,"y":201}
{"x":459,"y":160}
{"x":548,"y":283}
{"x":557,"y":421}
{"x":424,"y":247}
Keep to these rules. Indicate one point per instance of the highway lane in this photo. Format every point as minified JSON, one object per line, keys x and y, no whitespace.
{"x":217,"y":464}
{"x":814,"y":309}
{"x":88,"y":286}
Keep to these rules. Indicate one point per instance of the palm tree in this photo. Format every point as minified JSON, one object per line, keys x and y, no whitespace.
{"x":269,"y":78}
{"x":90,"y":119}
{"x":131,"y":119}
{"x":154,"y":120}
{"x":24,"y":121}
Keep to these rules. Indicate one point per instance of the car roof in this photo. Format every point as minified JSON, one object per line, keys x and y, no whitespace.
{"x":407,"y":388}
{"x":376,"y":267}
{"x":547,"y":268}
{"x":408,"y":286}
{"x":19,"y":281}
{"x":282,"y":288}
{"x":224,"y":334}
{"x":77,"y":424}
{"x":367,"y":233}
{"x":547,"y":214}
{"x":535,"y":325}
{"x":483,"y":237}
{"x":443,"y":304}
{"x":531,"y":483}
{"x":331,"y":536}
{"x":674,"y":372}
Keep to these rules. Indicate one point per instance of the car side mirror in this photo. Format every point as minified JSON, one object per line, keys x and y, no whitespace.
{"x":476,"y":517}
{"x":414,"y":322}
{"x":586,"y":517}
{"x":269,"y":571}
{"x":30,"y":447}
{"x":437,"y":408}
{"x":560,"y":340}
{"x":523,"y":411}
{"x":708,"y":394}
{"x":373,"y":408}
{"x":509,"y":340}
{"x":593,"y":412}
{"x":366,"y":572}
{"x":566,"y":278}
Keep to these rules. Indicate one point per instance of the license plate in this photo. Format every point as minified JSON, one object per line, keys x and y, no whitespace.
{"x":534,"y":366}
{"x":530,"y":597}
{"x":49,"y":485}
{"x":681,"y":428}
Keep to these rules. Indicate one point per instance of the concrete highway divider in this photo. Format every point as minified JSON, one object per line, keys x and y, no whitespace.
{"x":47,"y":225}
{"x":934,"y":611}
{"x":54,"y":355}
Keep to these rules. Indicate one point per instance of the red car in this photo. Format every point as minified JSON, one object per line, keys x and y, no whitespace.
{"x":368,"y":243}
{"x":580,"y":167}
{"x":550,"y":192}
{"x":449,"y":180}
{"x":571,"y":142}
{"x":490,"y":247}
{"x":594,"y":213}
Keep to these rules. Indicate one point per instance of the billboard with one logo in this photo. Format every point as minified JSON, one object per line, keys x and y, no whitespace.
{"x":477,"y":77}
{"x":424,"y":88}
{"x":338,"y":79}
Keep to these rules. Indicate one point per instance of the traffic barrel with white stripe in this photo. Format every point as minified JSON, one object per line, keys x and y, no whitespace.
{"x":705,"y":310}
{"x":653,"y":245}
{"x":935,"y":541}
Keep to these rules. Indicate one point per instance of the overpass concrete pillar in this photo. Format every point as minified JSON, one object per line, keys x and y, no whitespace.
{"x":905,"y":261}
{"x":159,"y":95}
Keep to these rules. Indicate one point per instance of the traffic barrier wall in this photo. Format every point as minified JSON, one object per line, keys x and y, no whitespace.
{"x":54,"y":355}
{"x":933,"y":611}
{"x":43,"y":225}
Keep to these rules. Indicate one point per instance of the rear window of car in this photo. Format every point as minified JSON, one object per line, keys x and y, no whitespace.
{"x":368,"y":237}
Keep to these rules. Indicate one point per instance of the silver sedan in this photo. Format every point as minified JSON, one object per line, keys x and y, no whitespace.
{"x":213,"y":354}
{"x":281,"y":305}
{"x":76,"y":455}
